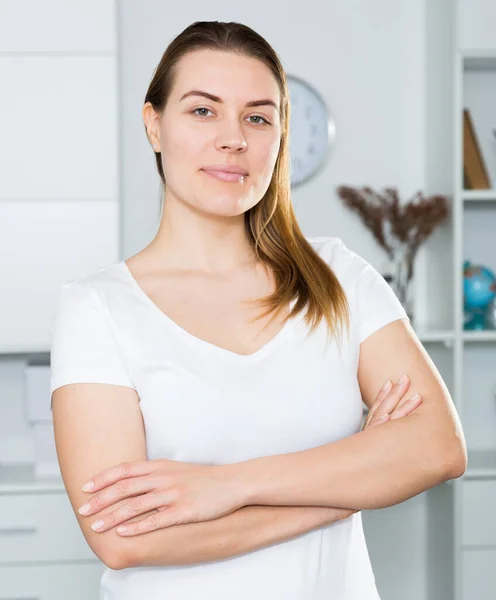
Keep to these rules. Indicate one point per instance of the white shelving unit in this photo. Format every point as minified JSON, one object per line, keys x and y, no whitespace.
{"x":473,"y":570}
{"x":59,"y":220}
{"x":479,"y":195}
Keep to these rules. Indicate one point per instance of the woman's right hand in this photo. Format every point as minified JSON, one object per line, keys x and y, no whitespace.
{"x":391,"y":403}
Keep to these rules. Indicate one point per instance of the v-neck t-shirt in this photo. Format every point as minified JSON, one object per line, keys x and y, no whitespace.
{"x":206,"y":404}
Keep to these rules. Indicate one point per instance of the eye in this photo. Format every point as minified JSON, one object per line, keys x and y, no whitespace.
{"x":201,"y":108}
{"x":259,"y":117}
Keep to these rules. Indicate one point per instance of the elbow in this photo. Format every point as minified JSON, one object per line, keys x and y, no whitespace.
{"x":116,"y":562}
{"x":455,"y":459}
{"x":117,"y":556}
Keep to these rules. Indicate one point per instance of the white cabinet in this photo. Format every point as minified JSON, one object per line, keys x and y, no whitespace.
{"x":57,"y":25}
{"x":43,"y":553}
{"x":475,"y":24}
{"x":45,"y":243}
{"x":66,"y":148}
{"x":40,"y":526}
{"x":474,"y":226}
{"x":59,"y":204}
{"x":478,"y":524}
{"x":59,"y":220}
{"x":479,"y":574}
{"x":50,"y":582}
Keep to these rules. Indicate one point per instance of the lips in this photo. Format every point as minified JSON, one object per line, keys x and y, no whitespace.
{"x":227,"y":169}
{"x":229,"y":173}
{"x":224,"y":175}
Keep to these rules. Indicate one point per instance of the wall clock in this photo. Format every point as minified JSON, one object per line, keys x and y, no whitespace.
{"x":312,"y":131}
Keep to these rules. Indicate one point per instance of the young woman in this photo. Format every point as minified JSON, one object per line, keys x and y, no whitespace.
{"x":228,"y":439}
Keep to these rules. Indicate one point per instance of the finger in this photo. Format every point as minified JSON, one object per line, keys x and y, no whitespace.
{"x":379,"y":420}
{"x":403,"y":410}
{"x":399,"y":390}
{"x":129,"y":510}
{"x":124,"y":488}
{"x":407,"y":399}
{"x":386,"y":388}
{"x":161,"y":520}
{"x":407,"y":407}
{"x":381,"y":396}
{"x":121,"y":471}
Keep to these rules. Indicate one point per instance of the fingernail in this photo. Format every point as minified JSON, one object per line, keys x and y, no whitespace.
{"x":84,"y":509}
{"x":97,"y":525}
{"x":415,"y":397}
{"x":403,"y":379}
{"x":88,"y":486}
{"x":383,"y":418}
{"x":123,"y":529}
{"x":387,"y":386}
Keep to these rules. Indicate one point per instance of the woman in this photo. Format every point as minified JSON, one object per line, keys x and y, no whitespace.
{"x":229,"y":440}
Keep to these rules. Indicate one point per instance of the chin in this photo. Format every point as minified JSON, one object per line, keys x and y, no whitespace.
{"x":223,"y":207}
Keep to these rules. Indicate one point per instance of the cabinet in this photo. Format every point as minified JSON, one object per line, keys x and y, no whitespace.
{"x":43,"y":553}
{"x":50,"y":582}
{"x":475,"y":24}
{"x":474,"y":239}
{"x":59,"y":220}
{"x":59,"y":212}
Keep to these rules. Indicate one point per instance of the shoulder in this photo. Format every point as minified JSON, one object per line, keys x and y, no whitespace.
{"x":348,"y":266}
{"x":107,"y":273}
{"x":373,"y":302}
{"x":88,"y":296}
{"x":95,"y":283}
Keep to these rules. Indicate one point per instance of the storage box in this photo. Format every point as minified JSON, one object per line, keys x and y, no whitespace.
{"x":46,"y":463}
{"x":37,"y":393}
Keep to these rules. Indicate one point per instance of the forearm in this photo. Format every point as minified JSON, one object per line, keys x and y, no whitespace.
{"x":249,"y":528}
{"x":375,"y":468}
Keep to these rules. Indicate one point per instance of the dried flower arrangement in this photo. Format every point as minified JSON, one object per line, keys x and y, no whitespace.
{"x":400,"y":229}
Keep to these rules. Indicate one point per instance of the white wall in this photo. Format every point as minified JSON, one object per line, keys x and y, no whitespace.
{"x":369,"y":60}
{"x":383,"y":68}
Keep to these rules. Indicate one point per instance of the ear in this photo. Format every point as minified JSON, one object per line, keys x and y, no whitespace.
{"x":151,"y":120}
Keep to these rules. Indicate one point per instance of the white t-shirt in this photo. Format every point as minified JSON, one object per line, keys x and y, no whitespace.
{"x":201,"y":403}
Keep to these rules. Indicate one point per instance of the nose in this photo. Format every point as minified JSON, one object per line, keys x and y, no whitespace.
{"x":231,"y":139}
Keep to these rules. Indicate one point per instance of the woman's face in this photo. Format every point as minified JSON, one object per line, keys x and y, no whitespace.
{"x":199,"y":131}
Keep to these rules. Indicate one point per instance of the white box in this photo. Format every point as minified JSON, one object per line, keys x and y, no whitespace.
{"x":45,"y":453}
{"x":37,"y":393}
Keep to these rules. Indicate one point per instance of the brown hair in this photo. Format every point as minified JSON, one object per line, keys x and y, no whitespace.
{"x":299,"y":272}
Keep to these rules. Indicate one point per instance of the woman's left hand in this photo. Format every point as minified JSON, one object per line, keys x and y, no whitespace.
{"x":179,"y":492}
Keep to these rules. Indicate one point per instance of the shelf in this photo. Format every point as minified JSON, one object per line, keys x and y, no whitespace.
{"x":478,"y":60}
{"x":441,"y":336}
{"x":18,"y":478}
{"x":479,"y":336}
{"x":479,"y":195}
{"x":481,"y":465}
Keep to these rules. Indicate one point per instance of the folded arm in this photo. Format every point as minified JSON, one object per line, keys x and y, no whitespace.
{"x":106,"y":421}
{"x":249,"y":528}
{"x":377,"y":467}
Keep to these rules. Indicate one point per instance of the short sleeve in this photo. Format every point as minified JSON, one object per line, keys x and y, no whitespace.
{"x":377,"y":303}
{"x":374,"y":302}
{"x":83,"y":348}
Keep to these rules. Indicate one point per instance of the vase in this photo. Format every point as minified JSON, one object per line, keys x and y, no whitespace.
{"x":401,"y":278}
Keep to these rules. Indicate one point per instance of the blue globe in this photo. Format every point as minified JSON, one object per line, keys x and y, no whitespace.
{"x":479,"y":286}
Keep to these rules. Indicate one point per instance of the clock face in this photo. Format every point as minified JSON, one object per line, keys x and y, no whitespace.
{"x":311,"y":132}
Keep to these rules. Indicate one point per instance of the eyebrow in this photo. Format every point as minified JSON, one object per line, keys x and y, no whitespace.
{"x":265,"y":102}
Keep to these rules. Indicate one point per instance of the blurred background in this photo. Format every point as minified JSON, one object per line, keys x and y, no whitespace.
{"x":79,"y":190}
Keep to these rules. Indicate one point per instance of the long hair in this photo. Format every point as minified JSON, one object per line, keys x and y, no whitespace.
{"x":300,"y":274}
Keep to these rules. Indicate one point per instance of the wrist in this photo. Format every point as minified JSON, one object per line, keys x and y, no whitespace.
{"x":321,"y":516}
{"x":241,"y":483}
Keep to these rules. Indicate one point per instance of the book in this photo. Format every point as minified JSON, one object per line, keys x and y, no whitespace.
{"x":475,"y":174}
